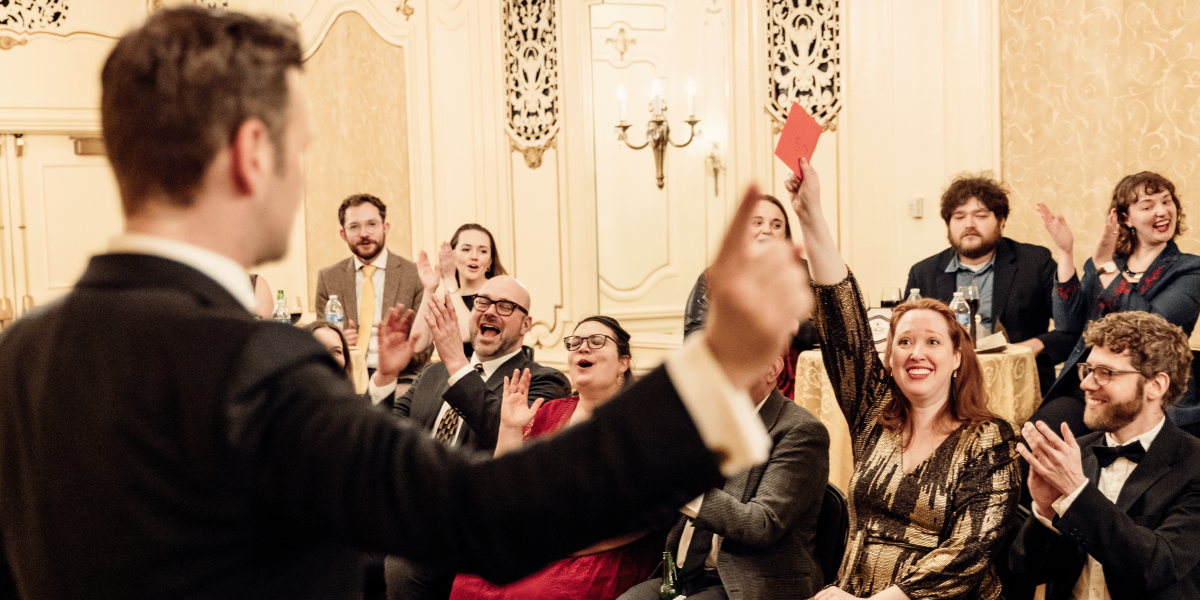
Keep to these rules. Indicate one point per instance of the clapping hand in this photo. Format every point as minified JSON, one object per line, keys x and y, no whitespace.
{"x":447,"y":265}
{"x":430,"y":277}
{"x":443,"y":327}
{"x":756,"y":292}
{"x":350,"y":332}
{"x":1055,"y":460}
{"x":516,"y":412}
{"x":1107,"y":246}
{"x":395,"y":343}
{"x":1056,"y":226}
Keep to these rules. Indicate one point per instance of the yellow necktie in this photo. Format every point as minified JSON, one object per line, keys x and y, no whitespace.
{"x":366,"y":307}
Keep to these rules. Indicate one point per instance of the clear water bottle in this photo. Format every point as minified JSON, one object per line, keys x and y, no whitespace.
{"x":962,"y":311}
{"x":914,"y":294}
{"x":281,"y":314}
{"x":333,"y":311}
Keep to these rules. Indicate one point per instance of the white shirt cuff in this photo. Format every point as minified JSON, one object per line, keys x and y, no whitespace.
{"x":379,"y":393}
{"x":692,"y":509}
{"x":1043,"y":520}
{"x":459,"y":374}
{"x":723,"y":414}
{"x":1061,"y":505}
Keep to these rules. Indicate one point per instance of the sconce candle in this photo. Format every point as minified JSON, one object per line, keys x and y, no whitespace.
{"x":621,"y":101}
{"x":656,"y":107}
{"x":691,"y":90}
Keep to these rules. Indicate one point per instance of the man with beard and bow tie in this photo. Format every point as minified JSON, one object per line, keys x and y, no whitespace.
{"x":1116,"y":513}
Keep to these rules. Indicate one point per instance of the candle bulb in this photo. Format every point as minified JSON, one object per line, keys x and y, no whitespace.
{"x":691,"y":90}
{"x":656,"y":98}
{"x":621,"y":102}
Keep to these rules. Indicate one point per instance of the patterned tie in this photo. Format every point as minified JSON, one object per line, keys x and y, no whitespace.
{"x":449,"y":423}
{"x":366,"y":308}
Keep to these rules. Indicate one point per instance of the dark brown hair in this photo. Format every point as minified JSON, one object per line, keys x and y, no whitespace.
{"x":787,"y":228}
{"x":622,"y":341}
{"x":357,"y":199}
{"x":347,"y":370}
{"x":1154,"y":345}
{"x":1125,"y":195}
{"x":991,"y":193}
{"x":968,"y":397}
{"x":495,"y":268}
{"x":176,"y":91}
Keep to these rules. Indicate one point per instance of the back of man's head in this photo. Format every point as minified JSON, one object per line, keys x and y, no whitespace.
{"x":1154,"y":346}
{"x":176,"y":90}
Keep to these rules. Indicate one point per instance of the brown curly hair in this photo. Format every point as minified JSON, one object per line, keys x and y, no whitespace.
{"x":1154,"y":345}
{"x":991,"y":193}
{"x":1125,"y":195}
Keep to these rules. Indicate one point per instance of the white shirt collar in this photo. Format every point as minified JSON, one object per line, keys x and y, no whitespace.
{"x":220,"y":268}
{"x":380,"y":261}
{"x":1146,"y":438}
{"x":489,"y":367}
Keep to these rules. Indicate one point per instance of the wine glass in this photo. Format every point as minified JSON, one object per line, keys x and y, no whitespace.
{"x":889,"y":298}
{"x":297,"y":309}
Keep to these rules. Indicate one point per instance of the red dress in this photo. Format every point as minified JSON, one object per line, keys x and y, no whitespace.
{"x":601,"y":576}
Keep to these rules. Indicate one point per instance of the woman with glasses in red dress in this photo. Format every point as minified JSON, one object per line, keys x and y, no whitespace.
{"x":599,"y":364}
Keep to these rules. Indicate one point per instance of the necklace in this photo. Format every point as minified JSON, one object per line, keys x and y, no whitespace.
{"x":1134,"y":275}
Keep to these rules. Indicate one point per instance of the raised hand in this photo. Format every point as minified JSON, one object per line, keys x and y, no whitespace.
{"x":447,"y":265}
{"x":1055,"y":459}
{"x":1056,"y":226}
{"x":1043,"y":492}
{"x":396,"y":346}
{"x":807,"y":193}
{"x":516,"y":412}
{"x":1107,"y":246}
{"x":350,"y":332}
{"x":756,"y":293}
{"x":443,"y":328}
{"x":430,"y":277}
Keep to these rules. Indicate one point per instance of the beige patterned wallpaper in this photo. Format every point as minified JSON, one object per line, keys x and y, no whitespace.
{"x":1091,"y":91}
{"x":355,"y":84}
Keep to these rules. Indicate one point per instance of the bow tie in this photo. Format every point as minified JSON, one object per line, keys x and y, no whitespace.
{"x":1108,"y":454}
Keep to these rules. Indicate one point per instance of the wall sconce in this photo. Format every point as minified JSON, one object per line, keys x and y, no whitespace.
{"x":658,"y":132}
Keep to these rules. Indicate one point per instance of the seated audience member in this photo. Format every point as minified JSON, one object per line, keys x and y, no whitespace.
{"x":458,"y":400}
{"x":264,"y":303}
{"x":755,"y":537}
{"x":1136,"y":266}
{"x":768,"y":222}
{"x":1116,"y":513}
{"x":331,"y":337}
{"x":1015,"y":280}
{"x":464,"y":265}
{"x":599,"y":362}
{"x":935,"y":479}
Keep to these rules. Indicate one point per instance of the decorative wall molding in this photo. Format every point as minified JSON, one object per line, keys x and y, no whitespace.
{"x":8,"y":43}
{"x":621,"y":43}
{"x":405,"y":10}
{"x":804,"y":59}
{"x":531,"y":75}
{"x":33,"y":15}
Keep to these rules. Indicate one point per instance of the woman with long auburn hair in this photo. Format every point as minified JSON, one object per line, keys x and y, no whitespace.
{"x":935,"y":481}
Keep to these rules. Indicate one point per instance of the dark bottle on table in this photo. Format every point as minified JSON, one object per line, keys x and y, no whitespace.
{"x":669,"y":590}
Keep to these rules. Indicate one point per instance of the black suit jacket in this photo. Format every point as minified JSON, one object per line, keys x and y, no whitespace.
{"x":1147,"y":541}
{"x":157,"y":441}
{"x":478,"y":401}
{"x":1022,"y":301}
{"x":767,"y":515}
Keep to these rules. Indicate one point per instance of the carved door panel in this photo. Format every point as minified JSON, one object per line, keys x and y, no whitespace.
{"x":61,"y":209}
{"x":8,"y":292}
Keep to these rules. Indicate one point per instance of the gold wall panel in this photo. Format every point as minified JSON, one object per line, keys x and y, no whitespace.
{"x":1092,"y":91}
{"x":356,"y":86}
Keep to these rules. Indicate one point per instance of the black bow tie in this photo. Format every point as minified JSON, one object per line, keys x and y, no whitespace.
{"x":1108,"y":454}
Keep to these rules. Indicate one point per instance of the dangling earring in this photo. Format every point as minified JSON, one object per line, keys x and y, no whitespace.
{"x":621,"y":379}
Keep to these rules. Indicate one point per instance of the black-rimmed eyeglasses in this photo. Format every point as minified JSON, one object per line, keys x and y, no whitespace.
{"x":504,"y":307}
{"x":1102,"y":375}
{"x":595,"y":342}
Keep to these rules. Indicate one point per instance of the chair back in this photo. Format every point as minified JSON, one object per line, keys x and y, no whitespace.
{"x":833,"y":527}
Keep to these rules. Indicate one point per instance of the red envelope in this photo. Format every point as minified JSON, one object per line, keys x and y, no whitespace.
{"x":798,"y":138}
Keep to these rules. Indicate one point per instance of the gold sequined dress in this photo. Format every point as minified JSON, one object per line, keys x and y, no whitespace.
{"x":933,"y":532}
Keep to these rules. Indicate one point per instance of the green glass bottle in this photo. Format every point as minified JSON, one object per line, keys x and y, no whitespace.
{"x":670,"y":582}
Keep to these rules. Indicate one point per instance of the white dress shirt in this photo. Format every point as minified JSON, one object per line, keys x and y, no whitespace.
{"x":1091,"y":585}
{"x":220,"y":268}
{"x":370,"y":330}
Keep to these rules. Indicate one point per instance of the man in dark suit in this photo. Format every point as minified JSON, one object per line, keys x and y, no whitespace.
{"x":458,"y":399}
{"x":168,"y":445}
{"x":1117,"y":513}
{"x":1015,"y":280}
{"x":755,"y":537}
{"x":393,"y":280}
